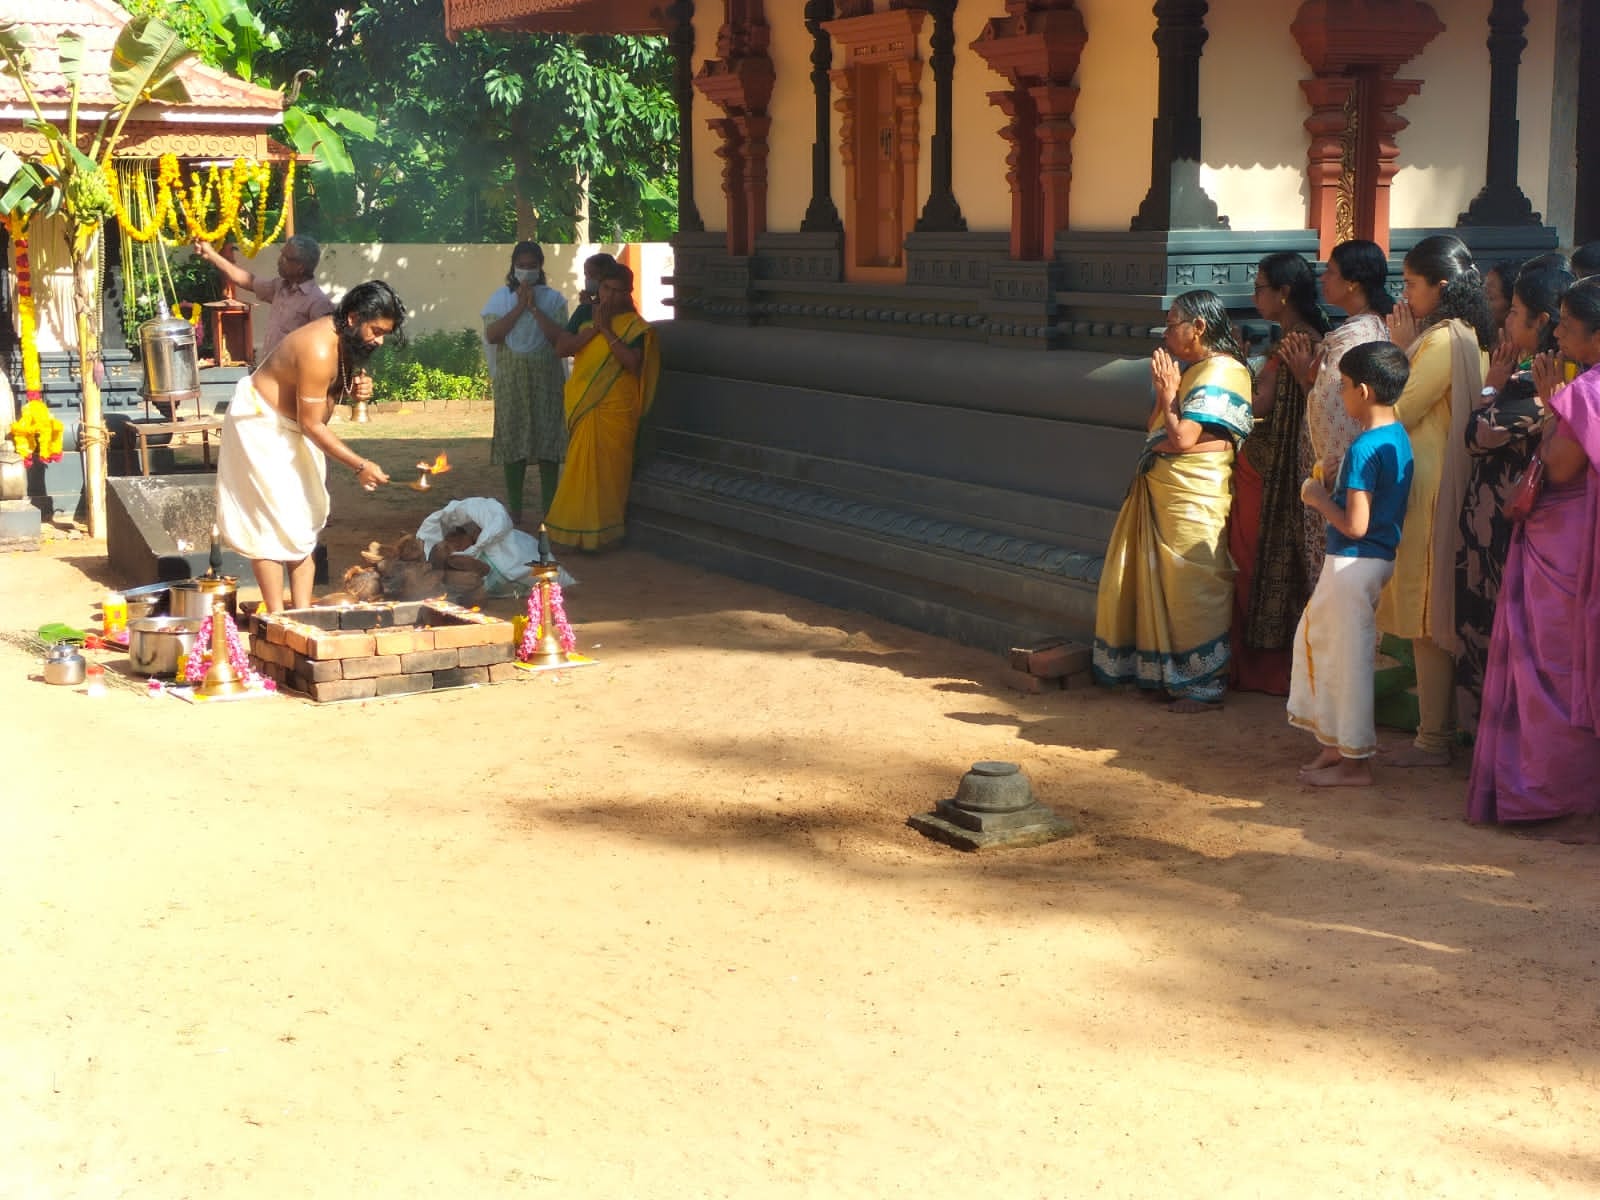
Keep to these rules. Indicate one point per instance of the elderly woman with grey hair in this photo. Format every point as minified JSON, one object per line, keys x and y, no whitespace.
{"x":293,"y":293}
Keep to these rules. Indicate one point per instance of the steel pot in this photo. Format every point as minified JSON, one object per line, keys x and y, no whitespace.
{"x":194,"y":597}
{"x":64,"y":665}
{"x":156,"y":643}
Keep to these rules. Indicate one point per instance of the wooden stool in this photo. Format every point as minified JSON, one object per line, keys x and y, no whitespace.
{"x":232,"y":332}
{"x":182,"y":431}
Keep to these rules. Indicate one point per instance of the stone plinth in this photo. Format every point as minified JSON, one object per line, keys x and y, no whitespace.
{"x":994,"y":806}
{"x":19,"y":525}
{"x":364,"y":651}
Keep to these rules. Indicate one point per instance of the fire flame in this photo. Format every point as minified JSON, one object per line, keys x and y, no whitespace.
{"x":439,"y":467}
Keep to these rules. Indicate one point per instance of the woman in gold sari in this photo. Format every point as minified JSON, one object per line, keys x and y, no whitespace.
{"x":1166,"y":588}
{"x":614,"y":370}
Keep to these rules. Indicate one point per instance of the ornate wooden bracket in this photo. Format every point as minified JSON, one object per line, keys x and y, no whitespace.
{"x":1036,"y":47}
{"x":1355,"y":48}
{"x":886,"y":41}
{"x":739,"y":82}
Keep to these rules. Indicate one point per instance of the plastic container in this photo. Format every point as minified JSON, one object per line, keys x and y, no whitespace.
{"x":113,"y":615}
{"x":94,"y":678}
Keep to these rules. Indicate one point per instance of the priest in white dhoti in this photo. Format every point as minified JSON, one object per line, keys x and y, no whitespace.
{"x":272,"y":491}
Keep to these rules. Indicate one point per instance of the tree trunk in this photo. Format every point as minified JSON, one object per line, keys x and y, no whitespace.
{"x":92,"y":438}
{"x":580,"y":216}
{"x":521,"y":180}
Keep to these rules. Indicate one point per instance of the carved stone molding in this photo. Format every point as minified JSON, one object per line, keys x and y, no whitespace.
{"x":739,"y":82}
{"x":1355,"y":48}
{"x":1036,"y":47}
{"x":866,"y":45}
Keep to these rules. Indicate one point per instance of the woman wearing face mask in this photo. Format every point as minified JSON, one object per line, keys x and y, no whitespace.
{"x":528,"y":379}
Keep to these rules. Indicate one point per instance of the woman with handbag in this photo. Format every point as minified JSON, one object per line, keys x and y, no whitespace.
{"x":1537,"y":755}
{"x":1502,"y":434}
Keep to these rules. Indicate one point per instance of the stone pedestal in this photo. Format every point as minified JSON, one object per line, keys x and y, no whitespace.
{"x":19,"y":525}
{"x":994,"y":806}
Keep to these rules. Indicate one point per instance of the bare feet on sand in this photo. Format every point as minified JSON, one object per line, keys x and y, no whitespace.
{"x":1328,"y":758}
{"x":1409,"y":756}
{"x":1347,"y":772}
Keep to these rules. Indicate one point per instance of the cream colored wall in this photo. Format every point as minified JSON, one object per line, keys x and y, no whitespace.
{"x":1252,"y":112}
{"x":979,"y":152}
{"x":794,"y":120}
{"x":708,"y":196}
{"x":1536,"y":105}
{"x":1442,"y":152}
{"x":1117,"y":103}
{"x":444,"y":287}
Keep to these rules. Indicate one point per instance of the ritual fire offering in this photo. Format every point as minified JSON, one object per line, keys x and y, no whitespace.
{"x":428,"y":470}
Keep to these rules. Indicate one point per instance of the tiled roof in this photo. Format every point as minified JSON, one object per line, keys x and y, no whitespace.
{"x":555,"y":16}
{"x":99,"y":22}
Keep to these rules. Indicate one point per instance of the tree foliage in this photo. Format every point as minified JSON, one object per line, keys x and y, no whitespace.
{"x":481,"y":140}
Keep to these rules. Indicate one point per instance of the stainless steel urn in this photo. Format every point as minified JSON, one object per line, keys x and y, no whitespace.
{"x":171,"y":360}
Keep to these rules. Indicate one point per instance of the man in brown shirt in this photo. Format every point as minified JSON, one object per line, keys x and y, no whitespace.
{"x":293,"y":293}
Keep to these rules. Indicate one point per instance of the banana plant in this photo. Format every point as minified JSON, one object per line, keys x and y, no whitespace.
{"x":70,"y":180}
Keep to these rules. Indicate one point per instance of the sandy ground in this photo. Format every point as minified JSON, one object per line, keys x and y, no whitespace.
{"x":657,"y":928}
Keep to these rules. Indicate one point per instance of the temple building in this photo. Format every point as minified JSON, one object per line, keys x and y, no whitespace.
{"x":925,"y":247}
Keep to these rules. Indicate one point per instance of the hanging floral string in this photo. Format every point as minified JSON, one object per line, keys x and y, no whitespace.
{"x":199,"y":660}
{"x":27,"y":313}
{"x":216,"y":201}
{"x":534,"y":630}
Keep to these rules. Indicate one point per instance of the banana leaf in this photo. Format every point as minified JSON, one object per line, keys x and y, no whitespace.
{"x":69,"y":49}
{"x":142,"y":62}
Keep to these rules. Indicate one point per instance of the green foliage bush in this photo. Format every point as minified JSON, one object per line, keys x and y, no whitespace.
{"x":435,"y":366}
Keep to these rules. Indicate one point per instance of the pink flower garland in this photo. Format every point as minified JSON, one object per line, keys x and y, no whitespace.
{"x":199,"y":661}
{"x":534,"y":630}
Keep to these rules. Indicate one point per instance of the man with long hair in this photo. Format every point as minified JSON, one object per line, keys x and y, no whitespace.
{"x":272,"y":491}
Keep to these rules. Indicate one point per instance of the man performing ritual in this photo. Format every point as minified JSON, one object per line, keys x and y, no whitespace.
{"x":293,"y":293}
{"x":272,"y":491}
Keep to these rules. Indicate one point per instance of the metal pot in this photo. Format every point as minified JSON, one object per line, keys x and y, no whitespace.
{"x":64,"y":665}
{"x":194,"y":597}
{"x":155,"y":643}
{"x":171,"y":360}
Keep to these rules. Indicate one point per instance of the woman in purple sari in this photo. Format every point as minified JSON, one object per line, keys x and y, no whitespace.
{"x":1537,"y":755}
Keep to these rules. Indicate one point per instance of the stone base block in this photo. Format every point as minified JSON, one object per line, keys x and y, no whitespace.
{"x":965,"y":830}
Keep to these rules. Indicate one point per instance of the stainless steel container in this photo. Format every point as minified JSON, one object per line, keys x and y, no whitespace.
{"x":194,"y":597}
{"x":156,"y":643}
{"x":64,"y":665}
{"x":171,"y":360}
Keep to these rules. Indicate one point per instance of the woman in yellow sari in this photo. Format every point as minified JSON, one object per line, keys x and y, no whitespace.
{"x":614,"y":370}
{"x":1166,"y":588}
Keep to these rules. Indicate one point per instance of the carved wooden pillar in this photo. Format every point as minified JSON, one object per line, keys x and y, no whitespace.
{"x":942,"y":214}
{"x":739,"y":82}
{"x":1176,"y":200}
{"x":879,"y":136}
{"x":1354,"y":49}
{"x":1036,"y":47}
{"x":1501,"y":201}
{"x":680,"y":14}
{"x":821,"y":215}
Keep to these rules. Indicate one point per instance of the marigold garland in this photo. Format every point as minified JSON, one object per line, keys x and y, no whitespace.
{"x":182,"y":212}
{"x":37,"y":432}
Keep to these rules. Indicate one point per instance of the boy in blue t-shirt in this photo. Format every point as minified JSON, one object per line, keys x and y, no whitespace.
{"x":1335,"y":647}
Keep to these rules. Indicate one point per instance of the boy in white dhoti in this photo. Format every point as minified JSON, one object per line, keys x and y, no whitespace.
{"x":1335,"y":646}
{"x":272,"y":492}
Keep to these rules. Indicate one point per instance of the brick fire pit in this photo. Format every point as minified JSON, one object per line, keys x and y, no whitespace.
{"x":360,"y":651}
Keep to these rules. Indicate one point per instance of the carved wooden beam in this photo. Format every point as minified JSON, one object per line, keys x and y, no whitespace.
{"x":739,"y":82}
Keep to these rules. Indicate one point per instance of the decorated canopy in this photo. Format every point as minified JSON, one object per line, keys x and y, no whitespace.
{"x":225,"y":118}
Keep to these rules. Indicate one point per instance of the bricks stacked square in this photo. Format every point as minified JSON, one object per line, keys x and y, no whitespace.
{"x":367,"y":650}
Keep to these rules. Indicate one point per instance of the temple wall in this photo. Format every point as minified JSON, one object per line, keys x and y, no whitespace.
{"x":1253,"y":114}
{"x":1443,"y":151}
{"x":793,"y":110}
{"x":979,"y":171}
{"x":707,"y":166}
{"x":1117,"y":103}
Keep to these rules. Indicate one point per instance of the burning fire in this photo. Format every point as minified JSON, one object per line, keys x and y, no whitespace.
{"x":439,"y":467}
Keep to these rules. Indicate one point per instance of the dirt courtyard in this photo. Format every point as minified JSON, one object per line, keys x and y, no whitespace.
{"x":657,"y":928}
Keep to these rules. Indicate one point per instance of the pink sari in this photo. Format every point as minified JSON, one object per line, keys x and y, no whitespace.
{"x":1538,"y":747}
